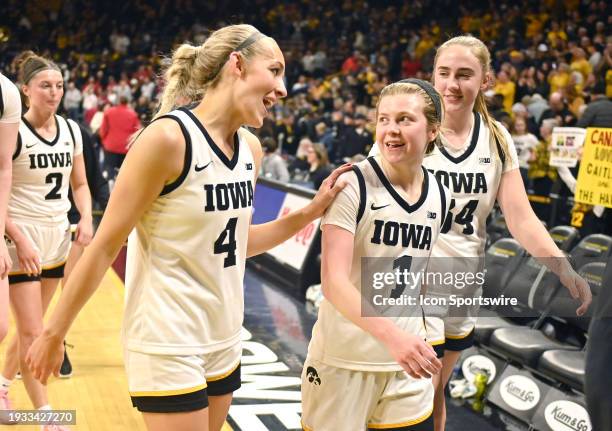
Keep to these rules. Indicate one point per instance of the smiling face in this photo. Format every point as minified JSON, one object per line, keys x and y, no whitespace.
{"x":261,"y":84}
{"x":402,"y":130}
{"x":459,"y":77}
{"x":45,"y":90}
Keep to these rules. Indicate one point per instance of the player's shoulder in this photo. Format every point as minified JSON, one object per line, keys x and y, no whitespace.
{"x":164,"y":133}
{"x":252,"y":141}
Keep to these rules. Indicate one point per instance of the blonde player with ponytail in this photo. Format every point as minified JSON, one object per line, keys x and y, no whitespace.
{"x":185,"y":191}
{"x":473,"y":143}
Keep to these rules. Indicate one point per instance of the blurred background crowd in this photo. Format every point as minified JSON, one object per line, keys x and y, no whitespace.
{"x":552,"y":62}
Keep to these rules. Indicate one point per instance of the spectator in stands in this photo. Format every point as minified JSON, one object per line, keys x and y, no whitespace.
{"x":506,"y":88}
{"x":319,"y":167}
{"x":355,"y":138}
{"x":598,"y":113}
{"x":90,"y":104}
{"x":118,"y":125}
{"x":541,"y":175}
{"x":273,"y":165}
{"x":525,"y":144}
{"x":558,"y":111}
{"x":72,"y":101}
{"x":536,"y":105}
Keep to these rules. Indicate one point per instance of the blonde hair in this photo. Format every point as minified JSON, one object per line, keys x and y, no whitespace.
{"x":28,"y":65}
{"x":429,"y":110}
{"x":194,"y":69}
{"x":481,"y":52}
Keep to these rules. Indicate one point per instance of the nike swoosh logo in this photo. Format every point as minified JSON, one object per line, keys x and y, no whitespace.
{"x":374,"y":207}
{"x":30,"y":146}
{"x":201,"y":168}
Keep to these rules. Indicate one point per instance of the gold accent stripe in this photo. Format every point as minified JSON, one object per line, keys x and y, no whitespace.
{"x":459,"y":337}
{"x":44,"y":268}
{"x":169,"y":393}
{"x":403,"y":424}
{"x":222,"y":376}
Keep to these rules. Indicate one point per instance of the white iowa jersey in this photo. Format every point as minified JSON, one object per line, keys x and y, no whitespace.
{"x":384,"y":226}
{"x":186,"y":255}
{"x":41,"y":172}
{"x":10,"y":101}
{"x":473,"y":175}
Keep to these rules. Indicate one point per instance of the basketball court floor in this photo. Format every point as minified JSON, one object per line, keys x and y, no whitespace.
{"x":277,"y":330}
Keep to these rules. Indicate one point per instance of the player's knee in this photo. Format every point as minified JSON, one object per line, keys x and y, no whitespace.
{"x":26,"y":338}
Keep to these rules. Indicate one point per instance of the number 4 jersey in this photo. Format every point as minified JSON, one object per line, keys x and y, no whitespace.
{"x":41,"y":172}
{"x":186,"y":255}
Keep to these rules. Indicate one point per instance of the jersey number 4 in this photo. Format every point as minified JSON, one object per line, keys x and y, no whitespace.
{"x":463,"y":217}
{"x":56,"y":179}
{"x":221,"y":246}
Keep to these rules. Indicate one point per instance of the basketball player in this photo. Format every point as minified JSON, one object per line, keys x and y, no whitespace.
{"x":185,"y":191}
{"x":373,"y":372}
{"x":10,"y":114}
{"x":478,"y":161}
{"x":48,"y":157}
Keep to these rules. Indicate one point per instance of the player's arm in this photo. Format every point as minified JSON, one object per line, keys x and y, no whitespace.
{"x":9,"y":127}
{"x":263,"y":237}
{"x":8,"y":139}
{"x":156,"y":159}
{"x":82,"y":200}
{"x":527,"y":229}
{"x":29,"y":261}
{"x":411,"y":352}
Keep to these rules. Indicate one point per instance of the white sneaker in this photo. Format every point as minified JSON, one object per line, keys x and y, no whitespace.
{"x":461,"y":388}
{"x":5,"y":408}
{"x":314,"y":294}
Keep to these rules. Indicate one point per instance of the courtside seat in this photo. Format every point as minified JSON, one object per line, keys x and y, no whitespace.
{"x":522,"y":284}
{"x":564,"y":366}
{"x":592,"y":248}
{"x":487,"y":322}
{"x":501,"y":261}
{"x":526,"y":345}
{"x":564,"y":236}
{"x":568,"y":367}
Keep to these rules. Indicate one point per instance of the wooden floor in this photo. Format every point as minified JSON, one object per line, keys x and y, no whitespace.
{"x":98,"y":388}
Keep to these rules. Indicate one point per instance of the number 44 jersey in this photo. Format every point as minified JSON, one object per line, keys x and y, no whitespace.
{"x":186,"y":255}
{"x":41,"y":172}
{"x":472,"y":175}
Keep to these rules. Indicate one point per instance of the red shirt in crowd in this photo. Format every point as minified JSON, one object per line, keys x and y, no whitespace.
{"x":119,"y":123}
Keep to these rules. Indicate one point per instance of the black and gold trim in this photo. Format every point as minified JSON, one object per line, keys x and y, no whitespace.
{"x":187,"y":161}
{"x":184,"y":400}
{"x":230,"y":164}
{"x":442,"y":201}
{"x":396,"y":196}
{"x":18,"y":146}
{"x":423,"y":423}
{"x":471,"y":148}
{"x":459,"y":343}
{"x":362,"y":193}
{"x":224,"y":384}
{"x":43,"y":140}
